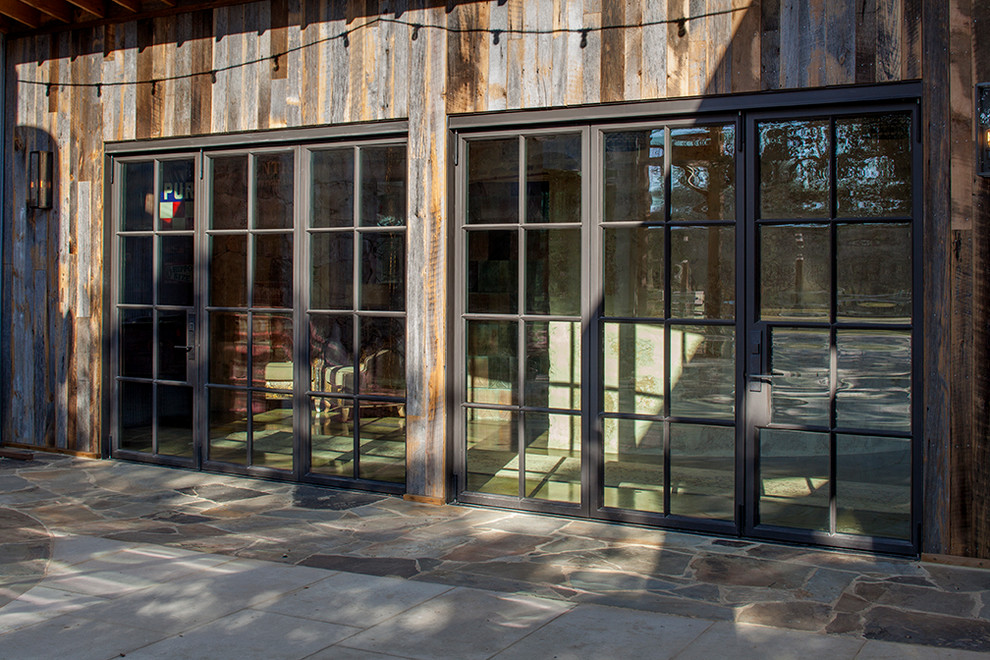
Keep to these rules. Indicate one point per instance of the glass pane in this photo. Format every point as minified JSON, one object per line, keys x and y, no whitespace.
{"x":794,"y":165}
{"x":873,"y":486}
{"x":794,"y":479}
{"x":382,"y":437}
{"x":137,"y":328}
{"x":634,"y":177}
{"x":795,"y":272}
{"x":137,"y":272}
{"x":135,"y":416}
{"x":177,"y":206}
{"x":383,"y":356}
{"x":273,"y":191}
{"x":553,"y":272}
{"x":553,"y":178}
{"x":492,"y":452}
{"x":702,"y":471}
{"x":874,"y":373}
{"x":553,"y":457}
{"x":703,"y":371}
{"x":383,"y":186}
{"x":138,"y":184}
{"x":633,"y":368}
{"x":171,"y":333}
{"x":799,"y":362}
{"x":228,"y":271}
{"x":271,"y":430}
{"x":873,"y":273}
{"x":230,"y":192}
{"x":332,"y":200}
{"x":332,"y":283}
{"x":383,"y":271}
{"x":634,"y":464}
{"x":332,"y":436}
{"x":228,"y":348}
{"x":331,"y":351}
{"x":493,"y":272}
{"x":553,"y":365}
{"x":493,"y":181}
{"x":175,"y":421}
{"x":273,"y":270}
{"x":176,"y":285}
{"x":271,"y":351}
{"x":873,"y":166}
{"x":228,"y":426}
{"x":703,"y":173}
{"x":492,"y":362}
{"x":703,"y":272}
{"x":633,"y":272}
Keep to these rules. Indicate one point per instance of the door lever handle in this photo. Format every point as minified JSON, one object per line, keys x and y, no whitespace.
{"x":764,"y":378}
{"x":185,"y":348}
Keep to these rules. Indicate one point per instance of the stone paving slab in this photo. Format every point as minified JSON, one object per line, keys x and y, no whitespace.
{"x":101,"y":516}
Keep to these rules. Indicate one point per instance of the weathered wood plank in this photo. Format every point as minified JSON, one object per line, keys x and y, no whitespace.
{"x":633,"y":45}
{"x":293,"y":86}
{"x":770,"y":70}
{"x":840,"y":42}
{"x":745,"y":46}
{"x":145,"y":72}
{"x":698,"y":76}
{"x":201,"y":87}
{"x":613,"y":53}
{"x":888,"y":43}
{"x":911,"y":39}
{"x":218,"y":93}
{"x":592,"y":51}
{"x":866,"y":41}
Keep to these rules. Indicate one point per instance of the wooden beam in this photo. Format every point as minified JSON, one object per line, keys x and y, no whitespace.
{"x":129,"y":5}
{"x":94,"y":7}
{"x":57,"y":9}
{"x":20,"y":12}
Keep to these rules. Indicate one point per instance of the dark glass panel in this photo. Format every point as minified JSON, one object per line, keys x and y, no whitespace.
{"x":332,"y":283}
{"x":492,"y":452}
{"x":273,"y":191}
{"x":383,"y":186}
{"x":383,"y":356}
{"x":795,"y":272}
{"x":273,"y":270}
{"x":799,"y":362}
{"x":873,"y":273}
{"x":175,"y":421}
{"x":794,"y":169}
{"x":332,"y":436}
{"x":228,"y":348}
{"x":493,"y":181}
{"x":874,"y":373}
{"x":176,"y":284}
{"x":633,"y":368}
{"x":633,"y":271}
{"x":271,"y":430}
{"x":230,"y":193}
{"x":703,"y":471}
{"x":172,"y":333}
{"x":493,"y":272}
{"x":492,"y":362}
{"x":137,"y":272}
{"x":553,"y":178}
{"x":794,"y":479}
{"x":176,"y":203}
{"x":383,"y":271}
{"x":136,"y":416}
{"x":382,"y":439}
{"x":271,"y":351}
{"x":553,"y":272}
{"x":634,"y":464}
{"x":332,"y":200}
{"x":703,"y":272}
{"x":228,"y":421}
{"x":553,"y":457}
{"x":873,"y":486}
{"x":873,"y":166}
{"x":703,"y":173}
{"x":228,"y":271}
{"x":634,"y":176}
{"x":703,"y":371}
{"x":138,"y":185}
{"x":331,"y":352}
{"x":137,"y":328}
{"x":553,"y":365}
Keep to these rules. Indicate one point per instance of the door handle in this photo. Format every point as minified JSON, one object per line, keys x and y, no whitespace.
{"x":756,"y":381}
{"x":763,"y":378}
{"x":185,"y":348}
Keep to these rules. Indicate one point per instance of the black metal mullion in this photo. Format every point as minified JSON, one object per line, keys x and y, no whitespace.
{"x":833,"y":334}
{"x":356,"y":292}
{"x":667,"y":312}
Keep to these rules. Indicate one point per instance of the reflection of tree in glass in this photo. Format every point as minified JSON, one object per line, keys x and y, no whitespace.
{"x":794,"y":160}
{"x":873,"y":166}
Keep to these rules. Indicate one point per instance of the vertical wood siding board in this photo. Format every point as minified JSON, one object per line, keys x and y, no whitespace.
{"x":911,"y":36}
{"x":111,"y":71}
{"x":278,"y":12}
{"x":322,"y":72}
{"x":529,"y":64}
{"x":840,"y":42}
{"x":481,"y":48}
{"x":558,"y":53}
{"x":591,"y":54}
{"x":145,"y":71}
{"x":384,"y":43}
{"x":888,"y":35}
{"x":182,"y":67}
{"x":498,"y":19}
{"x":698,"y":45}
{"x":613,"y":51}
{"x":218,"y":56}
{"x":747,"y":39}
{"x":400,"y":63}
{"x":574,"y":19}
{"x":16,"y":292}
{"x":791,"y":56}
{"x":201,"y":85}
{"x":544,"y":54}
{"x":677,"y":48}
{"x":264,"y":87}
{"x":340,"y":72}
{"x":723,"y":61}
{"x":233,"y":101}
{"x":633,"y":56}
{"x":514,"y":54}
{"x":460,"y":76}
{"x":294,"y":99}
{"x":866,"y":41}
{"x":308,"y":56}
{"x":770,"y":73}
{"x":127,"y":40}
{"x":654,"y":80}
{"x":355,"y":61}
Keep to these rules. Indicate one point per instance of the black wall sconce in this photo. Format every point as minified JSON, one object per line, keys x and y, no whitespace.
{"x":983,"y":129}
{"x":39,"y":180}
